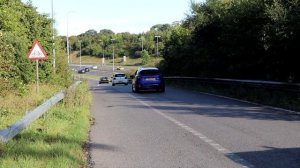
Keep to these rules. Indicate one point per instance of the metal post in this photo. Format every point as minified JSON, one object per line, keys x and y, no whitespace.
{"x":113,"y":54}
{"x":142,"y":43}
{"x":102,"y":46}
{"x":80,"y":54}
{"x":157,"y":45}
{"x":68,"y":42}
{"x":53,"y":42}
{"x":37,"y":77}
{"x":103,"y":60}
{"x":68,"y":45}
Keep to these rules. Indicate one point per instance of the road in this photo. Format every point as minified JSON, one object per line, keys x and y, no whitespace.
{"x":188,"y":130}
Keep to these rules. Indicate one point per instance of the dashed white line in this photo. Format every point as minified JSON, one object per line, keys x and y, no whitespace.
{"x":202,"y":137}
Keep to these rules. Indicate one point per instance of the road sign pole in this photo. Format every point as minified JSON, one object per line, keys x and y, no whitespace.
{"x":37,"y":77}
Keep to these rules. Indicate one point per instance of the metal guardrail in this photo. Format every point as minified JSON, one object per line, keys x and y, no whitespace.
{"x":13,"y":130}
{"x":283,"y":86}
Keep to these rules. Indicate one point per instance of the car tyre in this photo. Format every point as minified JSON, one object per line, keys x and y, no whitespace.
{"x":135,"y":89}
{"x":113,"y":84}
{"x":162,"y":89}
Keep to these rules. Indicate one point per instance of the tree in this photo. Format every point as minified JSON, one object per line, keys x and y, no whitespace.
{"x":20,"y":25}
{"x":145,"y":57}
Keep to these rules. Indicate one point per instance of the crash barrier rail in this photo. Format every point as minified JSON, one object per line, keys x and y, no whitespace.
{"x":16,"y":128}
{"x":280,"y":86}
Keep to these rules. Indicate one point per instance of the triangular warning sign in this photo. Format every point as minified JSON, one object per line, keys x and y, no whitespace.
{"x":37,"y":52}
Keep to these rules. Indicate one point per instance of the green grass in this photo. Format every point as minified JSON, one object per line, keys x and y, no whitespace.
{"x":54,"y":140}
{"x":13,"y":107}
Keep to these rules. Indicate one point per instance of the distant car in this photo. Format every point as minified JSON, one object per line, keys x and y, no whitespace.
{"x":103,"y":80}
{"x":81,"y":71}
{"x":87,"y":69}
{"x":95,"y":67}
{"x":148,"y":79}
{"x":119,"y":78}
{"x":120,"y":68}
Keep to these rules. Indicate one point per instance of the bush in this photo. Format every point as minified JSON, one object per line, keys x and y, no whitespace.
{"x":145,"y":57}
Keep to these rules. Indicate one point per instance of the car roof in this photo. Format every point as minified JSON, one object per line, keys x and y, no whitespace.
{"x":147,"y":68}
{"x":118,"y":73}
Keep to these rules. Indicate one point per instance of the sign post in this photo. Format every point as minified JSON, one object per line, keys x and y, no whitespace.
{"x":37,"y":53}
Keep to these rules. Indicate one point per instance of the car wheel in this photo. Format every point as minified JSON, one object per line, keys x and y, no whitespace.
{"x":113,"y":84}
{"x":162,"y":89}
{"x":136,"y":90}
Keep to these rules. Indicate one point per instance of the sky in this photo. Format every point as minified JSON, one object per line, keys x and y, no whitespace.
{"x":134,"y":16}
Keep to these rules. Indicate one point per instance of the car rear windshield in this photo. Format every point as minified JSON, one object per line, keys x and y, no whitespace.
{"x":149,"y":72}
{"x":119,"y":75}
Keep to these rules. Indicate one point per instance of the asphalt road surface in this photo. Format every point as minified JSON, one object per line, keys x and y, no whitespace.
{"x":183,"y":129}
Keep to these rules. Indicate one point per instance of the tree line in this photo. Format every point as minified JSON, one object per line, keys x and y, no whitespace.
{"x":20,"y":25}
{"x":97,"y":44}
{"x":242,"y":39}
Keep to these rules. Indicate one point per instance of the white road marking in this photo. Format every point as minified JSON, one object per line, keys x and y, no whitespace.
{"x":202,"y":137}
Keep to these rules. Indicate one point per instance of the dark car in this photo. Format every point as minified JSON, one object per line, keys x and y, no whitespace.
{"x":81,"y":71}
{"x":103,"y":80}
{"x":148,"y":79}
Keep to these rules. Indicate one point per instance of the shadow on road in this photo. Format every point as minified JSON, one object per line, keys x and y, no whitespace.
{"x":103,"y":147}
{"x":176,"y":101}
{"x":272,"y":157}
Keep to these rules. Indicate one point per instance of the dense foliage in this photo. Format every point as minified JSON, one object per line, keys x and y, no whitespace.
{"x":101,"y":43}
{"x":245,"y":39}
{"x":20,"y":25}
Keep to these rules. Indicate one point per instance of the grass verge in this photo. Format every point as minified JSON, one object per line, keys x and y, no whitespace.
{"x":275,"y":98}
{"x":56,"y":139}
{"x":13,"y":106}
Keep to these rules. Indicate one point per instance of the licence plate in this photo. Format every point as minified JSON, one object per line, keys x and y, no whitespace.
{"x":150,"y":79}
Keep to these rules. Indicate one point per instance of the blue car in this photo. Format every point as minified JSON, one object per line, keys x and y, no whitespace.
{"x":148,"y":79}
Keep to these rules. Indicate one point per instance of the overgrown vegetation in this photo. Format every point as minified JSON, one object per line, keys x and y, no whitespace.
{"x":55,"y":140}
{"x":58,"y":138}
{"x":242,"y":39}
{"x":20,"y":25}
{"x":13,"y":107}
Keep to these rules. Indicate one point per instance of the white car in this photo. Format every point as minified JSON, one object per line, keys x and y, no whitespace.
{"x":119,"y":78}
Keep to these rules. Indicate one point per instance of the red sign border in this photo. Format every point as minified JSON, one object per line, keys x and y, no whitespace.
{"x":36,"y":42}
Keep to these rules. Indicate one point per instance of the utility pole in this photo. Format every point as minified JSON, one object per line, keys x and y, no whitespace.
{"x":53,"y":39}
{"x":80,"y":53}
{"x":68,"y":42}
{"x":157,"y":45}
{"x":113,"y":54}
{"x":102,"y":46}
